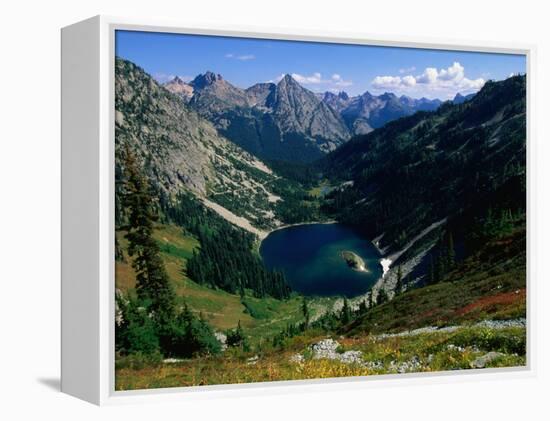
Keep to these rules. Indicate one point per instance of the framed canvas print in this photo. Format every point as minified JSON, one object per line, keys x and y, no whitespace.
{"x":262,"y":209}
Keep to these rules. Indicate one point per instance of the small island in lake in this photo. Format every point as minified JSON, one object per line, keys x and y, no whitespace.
{"x":354,"y":261}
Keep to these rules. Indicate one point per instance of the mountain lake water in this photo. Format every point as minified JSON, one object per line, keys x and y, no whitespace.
{"x":310,"y":256}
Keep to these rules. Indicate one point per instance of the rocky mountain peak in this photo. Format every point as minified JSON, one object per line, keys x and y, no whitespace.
{"x":343,"y":95}
{"x":206,"y":79}
{"x":179,"y":87}
{"x":386,"y":96}
{"x":287,"y":80}
{"x":459,"y":98}
{"x":367,"y":95}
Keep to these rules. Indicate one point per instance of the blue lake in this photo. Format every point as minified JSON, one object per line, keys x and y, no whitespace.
{"x":310,"y":256}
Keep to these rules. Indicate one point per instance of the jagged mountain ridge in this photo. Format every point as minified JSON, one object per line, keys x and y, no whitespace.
{"x":366,"y":112}
{"x":286,"y":121}
{"x":275,"y":121}
{"x":180,"y":150}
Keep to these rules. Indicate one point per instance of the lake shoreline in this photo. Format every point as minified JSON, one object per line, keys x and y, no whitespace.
{"x":265,"y":234}
{"x":323,"y":258}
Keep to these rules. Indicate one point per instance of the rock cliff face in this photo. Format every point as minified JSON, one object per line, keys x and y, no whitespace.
{"x":180,"y":150}
{"x":261,"y":95}
{"x":298,"y":110}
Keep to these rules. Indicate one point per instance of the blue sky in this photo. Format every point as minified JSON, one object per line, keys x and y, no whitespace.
{"x":317,"y":66}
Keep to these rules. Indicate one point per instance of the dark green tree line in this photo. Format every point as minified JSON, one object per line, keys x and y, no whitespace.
{"x":225,"y":259}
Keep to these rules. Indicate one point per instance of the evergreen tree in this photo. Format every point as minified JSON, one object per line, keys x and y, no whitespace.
{"x":225,"y":259}
{"x":241,"y":290}
{"x":345,"y":315}
{"x":135,"y":331}
{"x":382,"y":297}
{"x":439,"y":271}
{"x":152,"y":284}
{"x":450,"y":251}
{"x":399,"y":282}
{"x":371,"y":299}
{"x":305,"y":312}
{"x":189,"y":336}
{"x":431,"y":275}
{"x":237,"y":338}
{"x":362,"y":307}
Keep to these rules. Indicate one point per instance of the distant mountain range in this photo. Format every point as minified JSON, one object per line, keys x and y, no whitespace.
{"x":286,"y":121}
{"x":364,"y":113}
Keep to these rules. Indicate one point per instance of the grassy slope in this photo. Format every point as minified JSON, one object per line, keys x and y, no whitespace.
{"x":261,"y":318}
{"x":489,"y":285}
{"x":436,"y":351}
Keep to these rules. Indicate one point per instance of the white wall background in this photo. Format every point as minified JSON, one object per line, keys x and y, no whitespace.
{"x":29,"y":210}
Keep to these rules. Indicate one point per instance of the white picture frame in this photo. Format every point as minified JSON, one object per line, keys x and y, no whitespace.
{"x":88,"y":209}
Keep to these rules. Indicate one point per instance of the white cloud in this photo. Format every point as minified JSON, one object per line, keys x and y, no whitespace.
{"x":386,"y":82}
{"x":429,"y":76}
{"x":339,"y":81}
{"x":241,"y":57}
{"x":408,"y":81}
{"x":456,"y":71}
{"x":431,"y":82}
{"x":314,"y":78}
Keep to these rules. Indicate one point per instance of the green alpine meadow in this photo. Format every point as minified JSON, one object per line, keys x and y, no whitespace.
{"x":279,"y":223}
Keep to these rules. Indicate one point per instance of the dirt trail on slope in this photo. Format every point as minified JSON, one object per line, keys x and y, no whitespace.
{"x":234,"y":219}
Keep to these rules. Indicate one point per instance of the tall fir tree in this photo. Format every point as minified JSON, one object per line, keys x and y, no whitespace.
{"x":431,"y":275}
{"x":399,"y":281}
{"x":362,"y":307}
{"x":439,"y":267}
{"x":345,"y":315}
{"x":152,"y":283}
{"x":382,"y":296}
{"x":450,"y":251}
{"x":305,"y":312}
